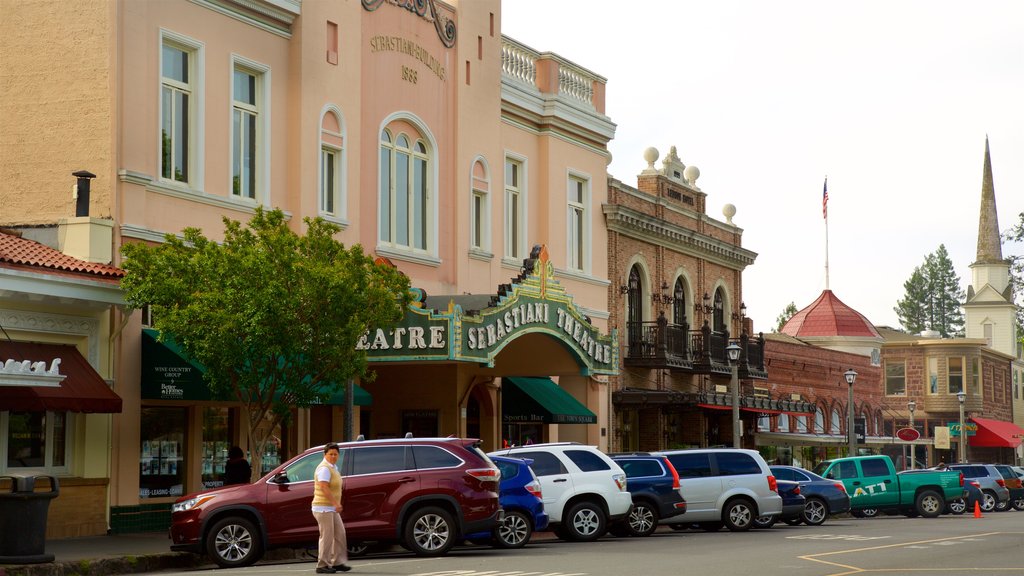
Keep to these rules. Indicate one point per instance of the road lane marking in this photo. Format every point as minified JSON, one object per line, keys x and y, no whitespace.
{"x":856,"y":570}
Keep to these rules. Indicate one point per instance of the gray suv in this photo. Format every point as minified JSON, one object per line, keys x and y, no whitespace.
{"x":994,"y":493}
{"x":724,"y":486}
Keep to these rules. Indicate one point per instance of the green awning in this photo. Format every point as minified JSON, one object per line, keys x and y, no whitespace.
{"x":169,"y":374}
{"x":541,"y":400}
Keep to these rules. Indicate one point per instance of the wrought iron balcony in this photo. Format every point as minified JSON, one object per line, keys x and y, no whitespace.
{"x":660,"y":344}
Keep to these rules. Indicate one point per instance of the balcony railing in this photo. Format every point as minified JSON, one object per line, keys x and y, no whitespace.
{"x":524,"y":65}
{"x":660,"y":344}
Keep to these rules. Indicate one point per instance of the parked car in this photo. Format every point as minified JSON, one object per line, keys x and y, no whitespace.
{"x":653,"y":483}
{"x":1014,"y":485}
{"x":423,"y":493}
{"x":993,"y":487}
{"x":584,"y":491}
{"x":793,"y":503}
{"x":873,"y":484}
{"x":724,"y":486}
{"x":824,"y":497}
{"x":972,"y":494}
{"x":520,"y":497}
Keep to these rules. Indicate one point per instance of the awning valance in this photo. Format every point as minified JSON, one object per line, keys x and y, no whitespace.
{"x":83,"y":390}
{"x":996,"y":434}
{"x":541,"y":400}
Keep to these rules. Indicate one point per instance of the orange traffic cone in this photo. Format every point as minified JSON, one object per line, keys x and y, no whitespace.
{"x":977,"y":509}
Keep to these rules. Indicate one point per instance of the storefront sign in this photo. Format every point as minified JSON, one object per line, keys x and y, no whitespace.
{"x":970,"y":428}
{"x":942,"y":438}
{"x":410,"y":48}
{"x":167,"y":374}
{"x":908,"y":434}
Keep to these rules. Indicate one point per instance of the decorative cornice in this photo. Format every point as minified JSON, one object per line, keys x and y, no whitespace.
{"x":425,"y":9}
{"x":43,"y":323}
{"x":28,"y":373}
{"x":275,"y":16}
{"x":641,"y":226}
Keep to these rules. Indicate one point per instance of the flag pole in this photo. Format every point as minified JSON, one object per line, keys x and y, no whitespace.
{"x":824,"y":213}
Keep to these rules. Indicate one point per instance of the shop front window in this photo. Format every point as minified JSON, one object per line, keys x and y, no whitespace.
{"x":36,"y":440}
{"x":161,"y":464}
{"x":217,"y":427}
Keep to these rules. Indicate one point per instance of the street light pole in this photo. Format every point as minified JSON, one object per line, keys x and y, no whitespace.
{"x":851,"y":377}
{"x":913,"y":449}
{"x":962,"y":442}
{"x":734,"y":355}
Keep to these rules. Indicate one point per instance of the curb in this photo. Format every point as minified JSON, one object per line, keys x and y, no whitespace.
{"x":129,"y":564}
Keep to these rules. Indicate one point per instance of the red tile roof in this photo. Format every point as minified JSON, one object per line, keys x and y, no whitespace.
{"x":22,"y":253}
{"x":828,"y":316}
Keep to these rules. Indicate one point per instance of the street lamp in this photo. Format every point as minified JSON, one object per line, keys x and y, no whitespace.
{"x":851,"y":377}
{"x":913,"y":452}
{"x":734,"y":355}
{"x":962,"y":443}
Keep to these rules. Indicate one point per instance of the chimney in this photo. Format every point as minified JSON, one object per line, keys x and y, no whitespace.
{"x":84,"y":237}
{"x":82,"y":192}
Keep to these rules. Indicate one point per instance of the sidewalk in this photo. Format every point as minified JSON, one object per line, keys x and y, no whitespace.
{"x":103,"y":555}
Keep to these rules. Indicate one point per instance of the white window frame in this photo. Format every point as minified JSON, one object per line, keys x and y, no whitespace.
{"x":340,"y":213}
{"x":196,"y":87}
{"x":263,"y":136}
{"x":480,"y":197}
{"x":386,"y":247}
{"x":578,"y":240}
{"x":69,"y":431}
{"x":515,"y":244}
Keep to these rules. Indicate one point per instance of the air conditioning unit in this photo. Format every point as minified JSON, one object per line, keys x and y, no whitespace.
{"x":721,"y":388}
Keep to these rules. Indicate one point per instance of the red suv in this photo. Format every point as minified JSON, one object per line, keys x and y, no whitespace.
{"x":424,"y":493}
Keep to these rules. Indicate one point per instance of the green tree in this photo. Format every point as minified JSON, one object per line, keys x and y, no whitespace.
{"x":933,"y":297}
{"x":1016,"y":234}
{"x":274,"y":316}
{"x":911,"y":309}
{"x":787,"y":313}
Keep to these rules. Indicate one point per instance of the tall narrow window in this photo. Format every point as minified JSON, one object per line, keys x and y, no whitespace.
{"x":479,"y":232}
{"x":404,"y":194}
{"x":635,"y":313}
{"x":836,"y":422}
{"x":719,"y":314}
{"x":679,"y":303}
{"x":956,"y":374}
{"x":331,"y":182}
{"x":576,"y":229}
{"x":976,"y":377}
{"x":896,"y":378}
{"x":513,"y":209}
{"x":933,"y":375}
{"x":819,"y":421}
{"x":244,"y":132}
{"x":176,"y":98}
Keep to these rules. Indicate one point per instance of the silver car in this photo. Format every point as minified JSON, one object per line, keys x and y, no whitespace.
{"x":995,"y":495}
{"x":724,"y":486}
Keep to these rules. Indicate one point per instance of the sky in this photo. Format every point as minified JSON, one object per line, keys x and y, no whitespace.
{"x":891,"y":100}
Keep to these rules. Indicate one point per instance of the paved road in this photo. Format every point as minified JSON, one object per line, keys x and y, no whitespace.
{"x":889,"y":546}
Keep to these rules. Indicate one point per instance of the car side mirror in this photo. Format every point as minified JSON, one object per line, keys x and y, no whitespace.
{"x":280,"y":478}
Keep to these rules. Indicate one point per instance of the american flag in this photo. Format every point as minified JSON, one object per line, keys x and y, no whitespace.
{"x":824,"y":200}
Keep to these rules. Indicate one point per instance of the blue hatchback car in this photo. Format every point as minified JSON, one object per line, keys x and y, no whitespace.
{"x":653,"y":483}
{"x":520,"y":496}
{"x":824,"y":497}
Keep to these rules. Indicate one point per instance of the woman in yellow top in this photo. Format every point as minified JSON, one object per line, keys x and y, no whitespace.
{"x":333,"y":551}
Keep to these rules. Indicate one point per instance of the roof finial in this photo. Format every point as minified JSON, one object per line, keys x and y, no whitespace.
{"x":989,"y":245}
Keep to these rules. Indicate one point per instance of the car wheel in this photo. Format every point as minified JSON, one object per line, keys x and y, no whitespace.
{"x":957,"y":507}
{"x":710,"y":526}
{"x":815,"y":512}
{"x":929,"y":504}
{"x":765,"y":522}
{"x":514,"y":531}
{"x":988,"y":502}
{"x":1018,"y":504}
{"x":642,"y":520}
{"x":430,"y":532}
{"x":1002,"y":506}
{"x":234,"y":542}
{"x":739,"y":514}
{"x":586,"y":522}
{"x":868,"y":512}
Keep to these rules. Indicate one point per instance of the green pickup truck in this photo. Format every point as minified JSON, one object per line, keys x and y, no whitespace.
{"x":873,"y":484}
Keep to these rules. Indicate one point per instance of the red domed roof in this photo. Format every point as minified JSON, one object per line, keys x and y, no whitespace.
{"x":828,"y":316}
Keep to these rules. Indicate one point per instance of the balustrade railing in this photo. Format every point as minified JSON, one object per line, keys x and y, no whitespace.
{"x":520,"y":63}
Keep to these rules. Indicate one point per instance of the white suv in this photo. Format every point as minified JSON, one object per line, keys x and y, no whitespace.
{"x":724,"y":486}
{"x":583,"y":489}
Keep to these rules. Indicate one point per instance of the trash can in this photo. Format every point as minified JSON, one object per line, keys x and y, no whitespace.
{"x":23,"y":519}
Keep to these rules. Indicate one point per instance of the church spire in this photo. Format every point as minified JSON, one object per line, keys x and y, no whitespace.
{"x":989,"y":245}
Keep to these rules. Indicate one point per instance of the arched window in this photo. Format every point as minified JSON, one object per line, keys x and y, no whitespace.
{"x":679,"y":303}
{"x":634,"y":304}
{"x":801,"y":424}
{"x":719,"y":315}
{"x":331,"y":180}
{"x":479,"y":222}
{"x":819,"y":421}
{"x":406,"y":166}
{"x":836,"y":422}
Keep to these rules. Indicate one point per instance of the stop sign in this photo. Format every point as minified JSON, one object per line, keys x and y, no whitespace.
{"x":908,"y":434}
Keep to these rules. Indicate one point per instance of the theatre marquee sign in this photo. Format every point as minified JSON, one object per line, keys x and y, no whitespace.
{"x":534,"y":303}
